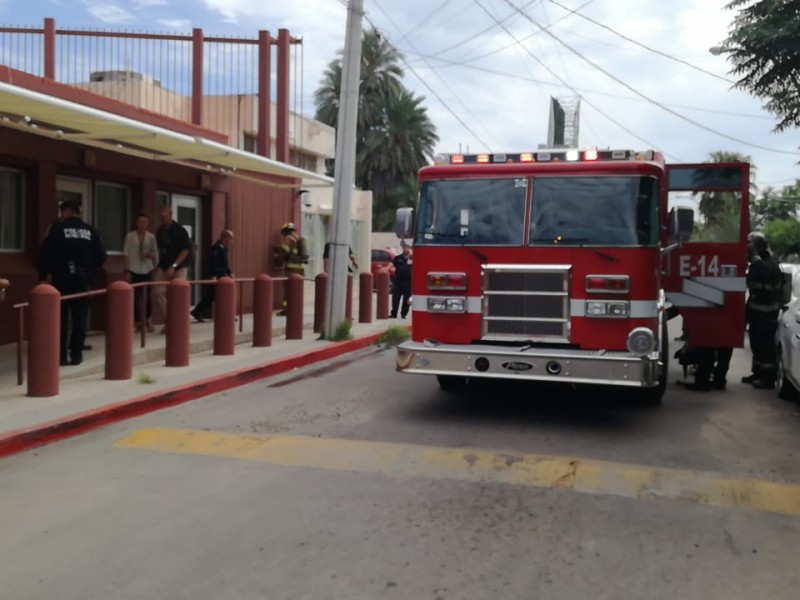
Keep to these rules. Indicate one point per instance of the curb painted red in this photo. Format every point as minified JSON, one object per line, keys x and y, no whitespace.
{"x":42,"y":434}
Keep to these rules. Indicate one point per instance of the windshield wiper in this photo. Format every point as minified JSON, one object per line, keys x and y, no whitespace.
{"x":555,"y":240}
{"x":457,"y":238}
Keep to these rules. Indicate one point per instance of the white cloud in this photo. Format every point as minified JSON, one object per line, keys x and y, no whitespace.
{"x":108,"y":12}
{"x":149,"y":3}
{"x":181,"y":24}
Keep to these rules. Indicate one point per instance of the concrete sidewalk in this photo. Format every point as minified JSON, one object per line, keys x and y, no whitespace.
{"x":85,"y":394}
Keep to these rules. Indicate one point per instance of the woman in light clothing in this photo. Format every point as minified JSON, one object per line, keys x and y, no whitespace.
{"x":141,"y":257}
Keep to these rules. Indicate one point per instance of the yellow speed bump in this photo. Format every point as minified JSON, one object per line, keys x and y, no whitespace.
{"x":471,"y":464}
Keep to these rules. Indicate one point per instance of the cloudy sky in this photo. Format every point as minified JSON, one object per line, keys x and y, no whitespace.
{"x":487,"y":68}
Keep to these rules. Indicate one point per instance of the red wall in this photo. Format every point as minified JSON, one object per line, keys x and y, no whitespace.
{"x":253,"y":211}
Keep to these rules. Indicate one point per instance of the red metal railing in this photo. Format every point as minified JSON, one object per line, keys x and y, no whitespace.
{"x":220,"y":83}
{"x":22,"y":306}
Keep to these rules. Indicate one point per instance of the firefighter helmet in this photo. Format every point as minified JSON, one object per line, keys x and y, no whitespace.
{"x":288,"y":227}
{"x":758,"y":241}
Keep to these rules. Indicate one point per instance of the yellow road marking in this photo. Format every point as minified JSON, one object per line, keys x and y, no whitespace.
{"x":541,"y":471}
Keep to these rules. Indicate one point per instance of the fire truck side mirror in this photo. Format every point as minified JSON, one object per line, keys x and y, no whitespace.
{"x":404,"y":223}
{"x":681,"y":224}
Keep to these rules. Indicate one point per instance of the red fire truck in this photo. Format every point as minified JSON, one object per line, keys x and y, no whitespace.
{"x":563,"y":266}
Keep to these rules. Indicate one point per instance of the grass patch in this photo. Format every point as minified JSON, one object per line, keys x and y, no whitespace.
{"x":393,"y":336}
{"x":342,"y":332}
{"x":146,"y":379}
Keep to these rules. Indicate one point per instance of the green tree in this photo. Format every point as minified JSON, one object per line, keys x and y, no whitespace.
{"x":773,"y":206}
{"x":394,"y":135}
{"x":783,"y":236}
{"x":762,"y":45}
{"x":404,"y":194}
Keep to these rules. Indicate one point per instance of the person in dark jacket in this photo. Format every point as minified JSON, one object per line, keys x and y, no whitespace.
{"x":71,"y":253}
{"x":174,"y":256}
{"x":219,"y":266}
{"x":402,"y":281}
{"x":764,"y":285}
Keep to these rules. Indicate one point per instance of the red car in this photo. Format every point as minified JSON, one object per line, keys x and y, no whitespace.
{"x":382,"y":259}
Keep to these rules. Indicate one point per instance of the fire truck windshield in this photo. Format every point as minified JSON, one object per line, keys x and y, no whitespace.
{"x":607,"y":211}
{"x":472,"y":211}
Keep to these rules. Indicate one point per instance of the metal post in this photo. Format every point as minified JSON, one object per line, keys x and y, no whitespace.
{"x":263,"y":135}
{"x":224,"y":317}
{"x":119,"y":332}
{"x":197,"y":76}
{"x":262,"y":311}
{"x":344,"y":170}
{"x":44,"y":341}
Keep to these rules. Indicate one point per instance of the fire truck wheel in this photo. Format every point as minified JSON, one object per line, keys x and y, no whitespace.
{"x":786,"y":390}
{"x":452,"y":383}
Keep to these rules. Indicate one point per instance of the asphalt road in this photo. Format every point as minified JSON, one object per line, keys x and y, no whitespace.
{"x":352,"y":481}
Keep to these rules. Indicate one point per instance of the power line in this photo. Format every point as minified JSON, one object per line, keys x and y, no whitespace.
{"x":466,"y":108}
{"x":425,"y":19}
{"x":637,"y":43}
{"x":431,"y":90}
{"x":549,"y":70}
{"x":466,"y":65}
{"x":640,"y":94}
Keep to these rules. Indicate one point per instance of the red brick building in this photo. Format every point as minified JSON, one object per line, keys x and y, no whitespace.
{"x":122,"y":142}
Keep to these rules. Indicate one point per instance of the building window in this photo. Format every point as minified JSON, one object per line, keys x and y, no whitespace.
{"x":249,"y":142}
{"x":112,"y":214}
{"x":11,"y":194}
{"x":303,"y":160}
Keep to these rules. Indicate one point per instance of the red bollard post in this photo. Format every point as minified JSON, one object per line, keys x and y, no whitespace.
{"x":119,"y":331}
{"x":294,"y":307}
{"x":262,"y":311}
{"x":44,"y":341}
{"x":177,"y":351}
{"x":320,"y":296}
{"x":382,"y":286}
{"x":224,"y":317}
{"x":365,"y":298}
{"x":348,"y":305}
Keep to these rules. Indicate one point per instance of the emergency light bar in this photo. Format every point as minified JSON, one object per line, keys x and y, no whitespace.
{"x":556,"y":155}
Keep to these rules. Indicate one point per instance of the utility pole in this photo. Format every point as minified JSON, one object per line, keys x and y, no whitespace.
{"x":345,"y":169}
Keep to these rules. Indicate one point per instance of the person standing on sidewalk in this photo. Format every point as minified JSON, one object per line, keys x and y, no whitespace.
{"x":764,"y":285}
{"x":402,"y":281}
{"x":174,"y":256}
{"x":218,"y":267}
{"x":141,"y":257}
{"x":326,"y":259}
{"x":71,"y":253}
{"x":295,"y":254}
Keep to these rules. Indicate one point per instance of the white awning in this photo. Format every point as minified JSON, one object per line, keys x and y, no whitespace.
{"x":61,"y":119}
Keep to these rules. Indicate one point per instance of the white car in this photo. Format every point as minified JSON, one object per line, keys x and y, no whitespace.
{"x":787,"y":338}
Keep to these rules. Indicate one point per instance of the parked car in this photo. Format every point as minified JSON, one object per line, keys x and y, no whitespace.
{"x":382,"y":259}
{"x":787,"y":339}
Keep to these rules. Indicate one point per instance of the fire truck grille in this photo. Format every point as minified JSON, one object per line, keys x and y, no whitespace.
{"x":526,"y":303}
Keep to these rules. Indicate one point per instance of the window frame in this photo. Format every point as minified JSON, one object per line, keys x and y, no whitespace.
{"x":22,"y":203}
{"x":127,"y":211}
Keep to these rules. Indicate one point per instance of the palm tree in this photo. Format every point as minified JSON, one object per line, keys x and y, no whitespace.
{"x":398,"y":147}
{"x":394,"y":135}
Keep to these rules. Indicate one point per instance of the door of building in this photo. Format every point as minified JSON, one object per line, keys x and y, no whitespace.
{"x":186,"y":210}
{"x":79,"y":190}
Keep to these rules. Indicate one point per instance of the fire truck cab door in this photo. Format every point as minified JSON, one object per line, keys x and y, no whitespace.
{"x":704,"y":278}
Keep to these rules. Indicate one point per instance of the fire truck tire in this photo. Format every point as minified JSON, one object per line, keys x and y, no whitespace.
{"x":452,"y":383}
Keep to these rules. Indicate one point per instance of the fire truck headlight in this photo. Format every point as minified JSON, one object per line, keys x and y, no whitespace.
{"x":595,"y":309}
{"x":641,"y":341}
{"x":607,"y":308}
{"x":447,"y":304}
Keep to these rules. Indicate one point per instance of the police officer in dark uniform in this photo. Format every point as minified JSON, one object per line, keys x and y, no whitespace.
{"x":219,"y":267}
{"x":764,"y":284}
{"x":402,"y":281}
{"x":71,"y":253}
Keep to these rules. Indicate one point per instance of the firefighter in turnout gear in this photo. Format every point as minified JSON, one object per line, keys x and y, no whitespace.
{"x":764,"y":286}
{"x":71,"y":254}
{"x":294,"y":253}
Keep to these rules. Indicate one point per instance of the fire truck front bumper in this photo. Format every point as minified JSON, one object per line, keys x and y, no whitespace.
{"x":534,"y":364}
